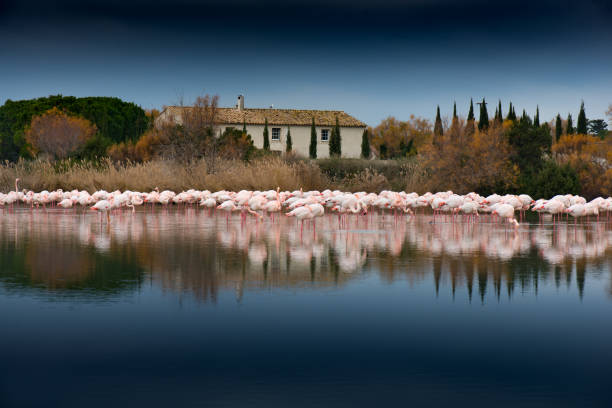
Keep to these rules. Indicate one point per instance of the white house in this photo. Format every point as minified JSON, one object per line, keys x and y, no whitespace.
{"x":279,"y":122}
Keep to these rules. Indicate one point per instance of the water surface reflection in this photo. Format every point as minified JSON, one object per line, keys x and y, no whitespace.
{"x":192,"y":252}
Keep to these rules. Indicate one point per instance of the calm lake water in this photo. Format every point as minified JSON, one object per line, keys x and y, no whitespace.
{"x":182,"y":308}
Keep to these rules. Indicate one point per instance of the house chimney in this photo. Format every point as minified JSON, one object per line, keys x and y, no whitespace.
{"x":240,"y":105}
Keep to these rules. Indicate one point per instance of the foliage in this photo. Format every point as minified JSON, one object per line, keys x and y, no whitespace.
{"x":536,"y":118}
{"x":117,"y":121}
{"x":312,"y":148}
{"x":438,"y":130}
{"x":569,"y":127}
{"x":589,"y":157}
{"x":365,"y":145}
{"x":388,"y":136}
{"x":529,"y":144}
{"x":551,"y":180}
{"x":235,"y":144}
{"x":469,"y":125}
{"x":266,"y":137}
{"x":558,"y":128}
{"x":193,"y":137}
{"x":598,"y":127}
{"x":58,"y":135}
{"x":289,"y":143}
{"x":511,"y":113}
{"x":335,"y":141}
{"x":581,"y":125}
{"x":483,"y":122}
{"x":465,"y":162}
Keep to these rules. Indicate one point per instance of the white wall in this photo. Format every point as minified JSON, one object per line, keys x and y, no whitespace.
{"x":300,"y":136}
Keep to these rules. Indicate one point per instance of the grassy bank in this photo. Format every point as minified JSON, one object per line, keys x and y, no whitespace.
{"x":265,"y":173}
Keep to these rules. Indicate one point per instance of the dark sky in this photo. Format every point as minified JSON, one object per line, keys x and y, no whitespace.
{"x":369,"y":58}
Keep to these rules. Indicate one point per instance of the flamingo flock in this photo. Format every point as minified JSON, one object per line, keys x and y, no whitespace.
{"x":308,"y":205}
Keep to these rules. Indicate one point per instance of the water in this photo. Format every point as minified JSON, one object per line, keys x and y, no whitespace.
{"x":187,"y":309}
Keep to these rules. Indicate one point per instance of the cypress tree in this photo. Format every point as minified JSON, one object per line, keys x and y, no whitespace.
{"x":500,"y":117}
{"x":570,"y":125}
{"x":312,"y":149}
{"x":289,"y":146}
{"x":581,"y":125}
{"x":536,"y":118}
{"x":483,"y":122}
{"x":455,"y":117}
{"x":558,"y":128}
{"x":244,"y":131}
{"x":496,"y":114}
{"x":511,"y":113}
{"x":469,"y":127}
{"x":266,"y":141}
{"x":438,"y":130}
{"x":338,"y":138}
{"x":365,"y":145}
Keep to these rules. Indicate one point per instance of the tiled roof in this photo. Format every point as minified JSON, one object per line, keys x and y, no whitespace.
{"x":296,"y":117}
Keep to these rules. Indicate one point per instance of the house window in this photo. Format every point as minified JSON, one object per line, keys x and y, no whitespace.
{"x":276,"y":134}
{"x":324,"y":135}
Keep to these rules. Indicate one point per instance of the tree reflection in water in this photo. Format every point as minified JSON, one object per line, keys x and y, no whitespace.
{"x":192,"y":252}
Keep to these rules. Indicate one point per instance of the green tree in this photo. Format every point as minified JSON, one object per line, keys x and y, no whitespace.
{"x":266,"y":138}
{"x":569,"y":128}
{"x":312,"y":149}
{"x":553,"y":179}
{"x":365,"y":145}
{"x":483,"y":121}
{"x":536,"y":118}
{"x":500,"y":117}
{"x":530,"y":144}
{"x":511,"y":113}
{"x":438,"y":130}
{"x":598,"y":127}
{"x":581,"y":125}
{"x":244,"y":129}
{"x":335,"y":141}
{"x":469,"y":126}
{"x":558,"y":128}
{"x":289,"y":145}
{"x":117,"y":121}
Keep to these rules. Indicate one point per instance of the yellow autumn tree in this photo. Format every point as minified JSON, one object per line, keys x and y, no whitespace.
{"x":391,"y":135}
{"x":590,"y":157}
{"x":465,"y":162}
{"x":57,"y":134}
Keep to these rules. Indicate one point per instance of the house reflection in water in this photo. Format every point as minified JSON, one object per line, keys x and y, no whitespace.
{"x":192,"y":252}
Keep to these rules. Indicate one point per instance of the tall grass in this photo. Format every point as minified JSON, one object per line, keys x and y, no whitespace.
{"x":260,"y":174}
{"x":235,"y":175}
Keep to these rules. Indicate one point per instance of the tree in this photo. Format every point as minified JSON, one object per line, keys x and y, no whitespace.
{"x":529,"y":144}
{"x":598,"y":127}
{"x":193,"y":137}
{"x":57,"y":134}
{"x":569,"y":128}
{"x":117,"y":121}
{"x":312,"y":149}
{"x":365,"y":145}
{"x":244,"y":129}
{"x":289,"y":144}
{"x":335,"y":141}
{"x":581,"y":125}
{"x":553,"y":179}
{"x":438,"y":130}
{"x":391,"y":132}
{"x":266,"y":137}
{"x":234,"y":144}
{"x":469,"y":127}
{"x":500,"y":117}
{"x":483,"y":121}
{"x":470,"y":162}
{"x":558,"y":128}
{"x":536,"y":118}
